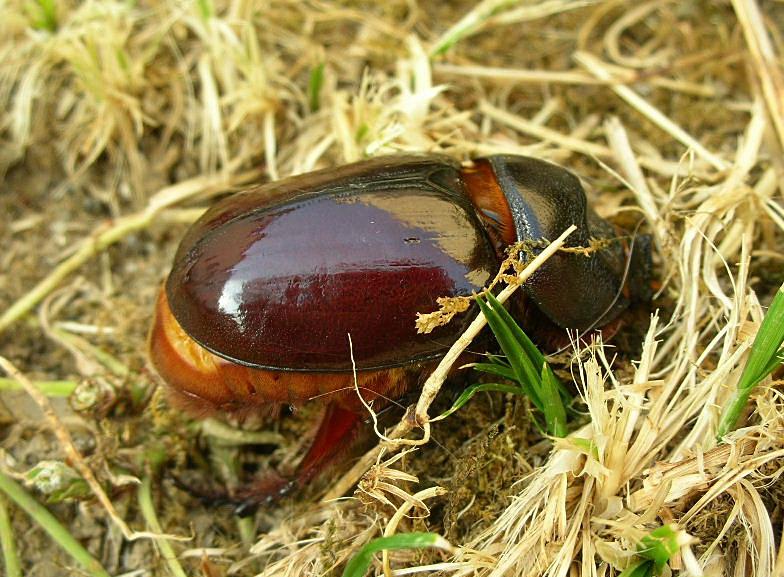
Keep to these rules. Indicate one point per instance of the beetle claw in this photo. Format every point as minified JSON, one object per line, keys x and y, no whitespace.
{"x":245,"y":499}
{"x":262,"y":493}
{"x":209,"y":495}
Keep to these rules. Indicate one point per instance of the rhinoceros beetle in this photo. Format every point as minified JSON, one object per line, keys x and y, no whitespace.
{"x":267,"y":285}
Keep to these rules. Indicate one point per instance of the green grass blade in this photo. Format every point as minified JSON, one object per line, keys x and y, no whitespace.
{"x":52,"y":526}
{"x":315,"y":82}
{"x":526,"y":374}
{"x":763,"y":359}
{"x":466,"y":395}
{"x":659,"y":546}
{"x":48,"y":388}
{"x":588,"y":446}
{"x":469,"y":23}
{"x":206,"y":9}
{"x":533,"y":353}
{"x":775,"y":361}
{"x":655,"y":549}
{"x":639,"y":569}
{"x":766,"y":344}
{"x":523,"y":365}
{"x":553,"y":409}
{"x":44,"y":15}
{"x":507,"y":372}
{"x":360,"y":563}
{"x":495,"y":369}
{"x":148,"y":512}
{"x":7,"y":543}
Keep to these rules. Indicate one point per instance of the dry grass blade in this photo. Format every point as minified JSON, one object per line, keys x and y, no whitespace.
{"x":596,"y":67}
{"x":512,"y":75}
{"x":766,"y":64}
{"x":571,"y":143}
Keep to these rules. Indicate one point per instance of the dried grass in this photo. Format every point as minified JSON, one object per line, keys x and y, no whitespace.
{"x":119,"y":120}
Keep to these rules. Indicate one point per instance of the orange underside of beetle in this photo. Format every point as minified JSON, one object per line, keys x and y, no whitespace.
{"x":203,"y":383}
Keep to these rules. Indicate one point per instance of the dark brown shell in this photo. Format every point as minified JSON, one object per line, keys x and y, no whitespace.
{"x":356,"y":250}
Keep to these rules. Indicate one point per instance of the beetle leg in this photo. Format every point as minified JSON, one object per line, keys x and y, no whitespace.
{"x":209,"y":495}
{"x":337,"y":431}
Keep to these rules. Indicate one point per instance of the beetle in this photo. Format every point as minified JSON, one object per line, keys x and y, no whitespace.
{"x":269,"y":283}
